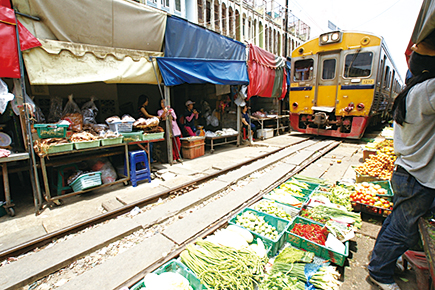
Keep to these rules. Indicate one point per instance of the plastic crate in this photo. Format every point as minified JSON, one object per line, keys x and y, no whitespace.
{"x":58,"y":148}
{"x":153,"y":136}
{"x":174,"y":266}
{"x":132,"y":137}
{"x":365,"y":178}
{"x":191,"y":152}
{"x":292,"y":211}
{"x":2,"y":209}
{"x":385,"y":184}
{"x":370,"y":209}
{"x":87,"y":144}
{"x":51,"y":130}
{"x":318,"y":250}
{"x":303,"y":200}
{"x":111,"y":141}
{"x":87,"y":180}
{"x":121,"y":126}
{"x":281,"y":225}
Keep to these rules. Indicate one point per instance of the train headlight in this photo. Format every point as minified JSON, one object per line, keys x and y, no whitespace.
{"x":295,"y":105}
{"x":360,"y":107}
{"x":330,"y":37}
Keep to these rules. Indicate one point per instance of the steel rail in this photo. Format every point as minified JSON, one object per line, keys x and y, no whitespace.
{"x":47,"y":238}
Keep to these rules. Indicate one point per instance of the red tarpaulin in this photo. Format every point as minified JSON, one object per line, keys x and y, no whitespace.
{"x":9,"y":61}
{"x":267,"y":74}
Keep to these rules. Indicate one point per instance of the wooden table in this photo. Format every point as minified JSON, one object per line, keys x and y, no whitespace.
{"x":427,"y":233}
{"x":221,"y":140}
{"x":276,"y":118}
{"x":66,"y":157}
{"x":4,"y":163}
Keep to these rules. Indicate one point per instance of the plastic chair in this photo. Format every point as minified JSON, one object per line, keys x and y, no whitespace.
{"x":418,"y":262}
{"x":139,"y":167}
{"x":61,"y":186}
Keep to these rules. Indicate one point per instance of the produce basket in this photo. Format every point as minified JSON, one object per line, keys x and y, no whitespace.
{"x":385,"y":184}
{"x":318,"y":250}
{"x":87,"y":144}
{"x":121,"y":126}
{"x":51,"y":130}
{"x":292,"y":211}
{"x":132,"y":137}
{"x":281,"y":226}
{"x":303,"y":200}
{"x":58,"y":148}
{"x":371,"y":209}
{"x":111,"y":141}
{"x":87,"y":180}
{"x":153,"y":136}
{"x":174,"y":266}
{"x":365,"y":178}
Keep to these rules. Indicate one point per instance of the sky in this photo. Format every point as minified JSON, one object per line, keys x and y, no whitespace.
{"x":394,"y":20}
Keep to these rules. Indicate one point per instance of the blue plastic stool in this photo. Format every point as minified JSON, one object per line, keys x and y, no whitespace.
{"x":139,"y":167}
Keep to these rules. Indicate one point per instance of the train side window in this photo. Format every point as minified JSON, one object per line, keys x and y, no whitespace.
{"x":358,"y":64}
{"x":303,"y":70}
{"x":328,"y":69}
{"x":387,"y":77}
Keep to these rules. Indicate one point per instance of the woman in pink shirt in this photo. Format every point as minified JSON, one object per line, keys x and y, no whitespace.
{"x":176,"y":144}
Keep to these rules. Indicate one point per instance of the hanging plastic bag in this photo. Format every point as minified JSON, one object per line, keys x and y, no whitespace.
{"x":39,"y":116}
{"x":55,"y":110}
{"x":72,"y":114}
{"x":89,"y":112}
{"x":28,"y":101}
{"x":5,"y":96}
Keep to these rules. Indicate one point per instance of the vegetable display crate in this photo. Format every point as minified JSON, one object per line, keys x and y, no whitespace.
{"x":87,"y":180}
{"x":370,"y":209}
{"x":153,"y":136}
{"x":58,"y":148}
{"x":111,"y":141}
{"x":318,"y":250}
{"x":385,"y":184}
{"x":87,"y":144}
{"x":281,"y":226}
{"x":132,"y":137}
{"x":311,"y":186}
{"x":121,"y":126}
{"x":174,"y":266}
{"x":51,"y":130}
{"x":2,"y":209}
{"x":292,"y":211}
{"x":365,"y":178}
{"x":303,"y":200}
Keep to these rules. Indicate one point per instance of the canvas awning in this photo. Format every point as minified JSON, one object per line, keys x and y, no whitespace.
{"x":107,"y":23}
{"x":195,"y":55}
{"x":59,"y":62}
{"x":267,"y":74}
{"x":424,"y":25}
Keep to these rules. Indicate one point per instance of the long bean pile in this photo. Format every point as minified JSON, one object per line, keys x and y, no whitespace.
{"x":220,"y":267}
{"x":282,"y":282}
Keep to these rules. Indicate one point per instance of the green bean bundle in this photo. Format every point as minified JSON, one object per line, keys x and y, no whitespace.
{"x":282,"y":282}
{"x":219,"y":267}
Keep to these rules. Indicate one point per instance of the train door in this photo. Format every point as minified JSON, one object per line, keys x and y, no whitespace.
{"x":327,"y":81}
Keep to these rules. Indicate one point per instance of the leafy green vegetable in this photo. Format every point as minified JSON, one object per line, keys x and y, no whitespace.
{"x":291,"y":255}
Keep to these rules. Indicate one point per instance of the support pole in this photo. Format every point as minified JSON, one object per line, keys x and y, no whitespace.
{"x":169,"y":133}
{"x":286,"y":30}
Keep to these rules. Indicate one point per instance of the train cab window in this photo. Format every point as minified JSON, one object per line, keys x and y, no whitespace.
{"x":328,"y":72}
{"x":358,"y":64}
{"x":303,"y":70}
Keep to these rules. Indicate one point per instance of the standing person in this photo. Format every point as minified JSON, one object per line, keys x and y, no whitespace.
{"x":176,"y":132}
{"x":190,"y":115}
{"x":413,"y":180}
{"x":246,"y":119}
{"x":142,"y":104}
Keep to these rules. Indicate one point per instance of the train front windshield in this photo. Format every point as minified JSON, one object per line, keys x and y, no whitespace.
{"x":358,"y":65}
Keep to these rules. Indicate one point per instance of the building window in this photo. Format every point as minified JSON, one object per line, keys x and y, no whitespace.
{"x":231,"y":21}
{"x":165,"y":3}
{"x":200,"y":12}
{"x":216,"y":15}
{"x":178,"y":5}
{"x":243,"y":27}
{"x":237,"y":25}
{"x":207,"y":12}
{"x":224,"y":19}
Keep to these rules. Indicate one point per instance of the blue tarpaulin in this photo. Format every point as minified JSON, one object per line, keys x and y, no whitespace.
{"x":185,"y":39}
{"x":177,"y":71}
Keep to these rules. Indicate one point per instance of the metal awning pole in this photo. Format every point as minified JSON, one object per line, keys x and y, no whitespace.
{"x":37,"y":196}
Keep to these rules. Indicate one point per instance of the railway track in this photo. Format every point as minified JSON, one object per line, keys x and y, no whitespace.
{"x":117,"y":248}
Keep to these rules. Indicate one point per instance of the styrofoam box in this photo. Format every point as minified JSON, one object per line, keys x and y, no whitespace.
{"x":264,"y":133}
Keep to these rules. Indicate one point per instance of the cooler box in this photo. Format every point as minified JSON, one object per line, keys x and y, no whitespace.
{"x":264,"y":133}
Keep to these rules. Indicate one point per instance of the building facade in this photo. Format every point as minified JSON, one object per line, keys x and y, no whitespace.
{"x":259,"y":22}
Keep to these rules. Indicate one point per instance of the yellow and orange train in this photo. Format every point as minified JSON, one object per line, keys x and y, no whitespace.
{"x":342,"y":82}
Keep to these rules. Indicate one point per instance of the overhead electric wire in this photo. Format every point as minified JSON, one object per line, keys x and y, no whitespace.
{"x":378,"y":14}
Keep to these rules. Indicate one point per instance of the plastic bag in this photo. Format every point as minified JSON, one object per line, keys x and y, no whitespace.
{"x":108,"y":172}
{"x":72,"y":114}
{"x":55,"y":113}
{"x":89,"y":112}
{"x":5,"y":96}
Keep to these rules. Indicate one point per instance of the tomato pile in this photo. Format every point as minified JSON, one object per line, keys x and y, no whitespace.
{"x":366,"y":193}
{"x":313,"y":232}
